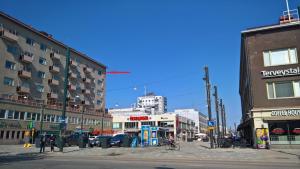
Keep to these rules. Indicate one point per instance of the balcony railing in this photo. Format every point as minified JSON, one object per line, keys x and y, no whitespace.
{"x":26,"y":58}
{"x":52,"y":95}
{"x":54,"y":55}
{"x":71,"y":87}
{"x":86,"y":91}
{"x":87,"y":70}
{"x":8,"y":35}
{"x":53,"y":82}
{"x":86,"y":80}
{"x":85,"y":102}
{"x":24,"y":74}
{"x":22,"y":89}
{"x":73,"y":63}
{"x":54,"y":69}
{"x":72,"y":75}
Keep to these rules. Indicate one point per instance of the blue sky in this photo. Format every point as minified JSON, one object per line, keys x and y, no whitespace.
{"x":165,"y":44}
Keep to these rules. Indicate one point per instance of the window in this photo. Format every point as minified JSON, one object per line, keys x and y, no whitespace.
{"x":98,"y":92}
{"x":98,"y":102}
{"x":33,"y":116}
{"x":131,"y":125}
{"x":10,"y":114}
{"x":43,"y":47}
{"x":41,"y":74}
{"x":11,"y":49}
{"x":28,"y":54}
{"x":2,"y":134}
{"x":18,"y":134}
{"x":10,"y":65}
{"x":8,"y":81}
{"x":13,"y":134}
{"x":7,"y":135}
{"x":28,"y":116}
{"x":40,"y":88}
{"x":22,"y":115}
{"x":283,"y":89}
{"x":151,"y":123}
{"x":30,"y":41}
{"x":2,"y":114}
{"x":55,"y":77}
{"x":38,"y":118}
{"x":16,"y":115}
{"x":166,"y":123}
{"x":280,"y":57}
{"x":43,"y":61}
{"x":99,"y":72}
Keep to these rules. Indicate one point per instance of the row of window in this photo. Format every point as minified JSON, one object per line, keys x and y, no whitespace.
{"x":134,"y":125}
{"x":17,"y":115}
{"x":280,"y":57}
{"x":286,"y":89}
{"x":12,"y":134}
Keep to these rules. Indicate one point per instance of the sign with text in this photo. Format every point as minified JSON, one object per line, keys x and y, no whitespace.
{"x":289,"y":112}
{"x":138,"y":118}
{"x":211,"y":123}
{"x":281,"y":72}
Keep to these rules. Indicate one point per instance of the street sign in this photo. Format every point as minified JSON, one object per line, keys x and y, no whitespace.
{"x":210,"y":128}
{"x":211,"y":123}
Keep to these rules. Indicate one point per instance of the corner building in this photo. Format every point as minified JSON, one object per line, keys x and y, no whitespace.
{"x":32,"y":67}
{"x":270,"y":85}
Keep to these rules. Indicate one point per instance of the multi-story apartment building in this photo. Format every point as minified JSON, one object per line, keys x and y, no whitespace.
{"x":156,"y":104}
{"x":32,"y":66}
{"x":199,"y":118}
{"x":270,"y":84}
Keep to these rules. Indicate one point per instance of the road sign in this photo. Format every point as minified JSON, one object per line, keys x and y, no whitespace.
{"x":211,"y":123}
{"x":210,"y":128}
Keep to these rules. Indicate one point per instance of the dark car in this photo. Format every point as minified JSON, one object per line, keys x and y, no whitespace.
{"x":74,"y":139}
{"x":98,"y":140}
{"x":120,"y":140}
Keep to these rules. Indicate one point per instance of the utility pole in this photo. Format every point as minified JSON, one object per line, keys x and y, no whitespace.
{"x":206,"y":79}
{"x":217,"y":113}
{"x":63,"y":116}
{"x":225,"y":127}
{"x":222,"y":119}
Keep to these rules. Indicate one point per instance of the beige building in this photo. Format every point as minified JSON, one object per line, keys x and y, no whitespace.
{"x":32,"y":67}
{"x":172,"y":123}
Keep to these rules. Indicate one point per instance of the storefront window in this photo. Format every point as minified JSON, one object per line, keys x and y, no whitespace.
{"x":285,"y":132}
{"x":16,"y":115}
{"x":22,"y":115}
{"x":2,"y":114}
{"x":151,"y":123}
{"x":117,"y":125}
{"x":10,"y":114}
{"x":131,"y":125}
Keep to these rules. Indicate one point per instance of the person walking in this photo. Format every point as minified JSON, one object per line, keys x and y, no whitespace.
{"x":42,"y":143}
{"x":52,"y":142}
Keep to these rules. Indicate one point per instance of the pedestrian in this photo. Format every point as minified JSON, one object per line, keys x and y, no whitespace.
{"x":42,"y":143}
{"x":52,"y":142}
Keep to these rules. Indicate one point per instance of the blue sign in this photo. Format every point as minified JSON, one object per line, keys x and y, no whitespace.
{"x":145,"y":135}
{"x":211,"y":123}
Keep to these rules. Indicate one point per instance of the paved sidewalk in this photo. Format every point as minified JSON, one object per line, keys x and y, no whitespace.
{"x":189,"y":151}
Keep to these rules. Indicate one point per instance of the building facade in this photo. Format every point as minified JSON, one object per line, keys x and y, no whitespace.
{"x":174,"y":124}
{"x":270,"y":85}
{"x":156,"y":104}
{"x":33,"y":66}
{"x":199,"y":118}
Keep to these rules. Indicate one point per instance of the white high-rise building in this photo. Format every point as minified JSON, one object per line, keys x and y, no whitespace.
{"x":156,"y":104}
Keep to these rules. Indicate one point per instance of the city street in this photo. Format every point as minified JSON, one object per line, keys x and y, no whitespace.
{"x":191,"y":155}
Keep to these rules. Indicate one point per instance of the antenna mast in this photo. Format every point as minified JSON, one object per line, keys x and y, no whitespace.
{"x":288,"y":9}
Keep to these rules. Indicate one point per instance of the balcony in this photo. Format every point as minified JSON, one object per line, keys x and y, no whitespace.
{"x":73,"y":63}
{"x":54,"y":69}
{"x":22,"y":89}
{"x":9,"y":36}
{"x":24,"y":74}
{"x":86,"y":80}
{"x":26,"y":58}
{"x":86,"y":91}
{"x":54,"y":55}
{"x":52,"y":95}
{"x":71,"y":87}
{"x":72,"y":75}
{"x":53,"y":82}
{"x":85,"y":102}
{"x":87,"y":70}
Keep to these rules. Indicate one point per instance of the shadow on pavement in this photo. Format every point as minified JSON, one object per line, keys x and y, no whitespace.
{"x":287,"y":153}
{"x":21,"y":157}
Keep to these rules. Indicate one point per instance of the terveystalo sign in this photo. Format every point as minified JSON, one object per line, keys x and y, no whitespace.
{"x":291,"y":112}
{"x":281,"y":73}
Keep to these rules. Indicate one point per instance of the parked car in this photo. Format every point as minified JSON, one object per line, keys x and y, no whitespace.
{"x":74,"y":139}
{"x":119,"y":140}
{"x":98,"y":140}
{"x":92,"y":140}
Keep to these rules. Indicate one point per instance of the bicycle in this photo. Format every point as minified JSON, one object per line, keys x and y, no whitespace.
{"x":172,"y":146}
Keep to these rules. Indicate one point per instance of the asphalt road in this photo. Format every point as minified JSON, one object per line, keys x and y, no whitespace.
{"x":98,"y":163}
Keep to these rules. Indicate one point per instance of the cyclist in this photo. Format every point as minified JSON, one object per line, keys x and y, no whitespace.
{"x":171,"y":140}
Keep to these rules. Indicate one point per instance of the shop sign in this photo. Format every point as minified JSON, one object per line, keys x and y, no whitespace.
{"x":15,"y":125}
{"x":278,"y":131}
{"x":296,"y":130}
{"x":138,"y":118}
{"x":291,"y":112}
{"x":281,"y":72}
